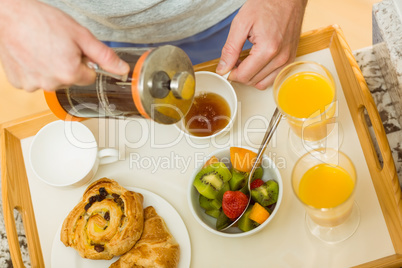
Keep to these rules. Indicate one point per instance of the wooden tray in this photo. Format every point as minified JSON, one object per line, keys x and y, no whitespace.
{"x":16,"y":192}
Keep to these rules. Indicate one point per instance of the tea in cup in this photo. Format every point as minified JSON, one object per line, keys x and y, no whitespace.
{"x":213,"y":109}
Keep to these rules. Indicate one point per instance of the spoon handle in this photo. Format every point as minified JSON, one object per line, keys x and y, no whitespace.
{"x":273,"y":124}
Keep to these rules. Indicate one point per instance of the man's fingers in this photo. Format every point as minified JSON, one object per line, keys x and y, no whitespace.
{"x":268,"y":80}
{"x":232,"y":48}
{"x":103,"y":55}
{"x":86,"y":75}
{"x":279,"y":61}
{"x":253,"y":64}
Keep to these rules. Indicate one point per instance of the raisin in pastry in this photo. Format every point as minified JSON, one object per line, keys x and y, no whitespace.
{"x":106,"y":223}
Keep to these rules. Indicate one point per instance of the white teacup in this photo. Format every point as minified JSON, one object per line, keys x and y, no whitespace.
{"x":66,"y":153}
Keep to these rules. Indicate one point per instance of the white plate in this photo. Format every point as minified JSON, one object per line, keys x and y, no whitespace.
{"x":62,"y":256}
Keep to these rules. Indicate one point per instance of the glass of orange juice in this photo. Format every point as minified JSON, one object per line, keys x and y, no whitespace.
{"x":324,"y":181}
{"x":305,"y":93}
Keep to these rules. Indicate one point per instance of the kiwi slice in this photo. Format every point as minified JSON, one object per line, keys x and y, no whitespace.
{"x":210,"y":179}
{"x":238,"y":179}
{"x":208,"y":204}
{"x":271,"y":208}
{"x":258,"y":173}
{"x":222,"y":221}
{"x":244,"y":190}
{"x":266,"y":194}
{"x":225,"y":188}
{"x":245,"y":223}
{"x":213,"y":212}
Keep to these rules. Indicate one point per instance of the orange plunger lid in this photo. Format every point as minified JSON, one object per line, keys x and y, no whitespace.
{"x":134,"y":85}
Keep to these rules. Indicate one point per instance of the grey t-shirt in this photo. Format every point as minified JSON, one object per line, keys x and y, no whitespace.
{"x":146,"y":21}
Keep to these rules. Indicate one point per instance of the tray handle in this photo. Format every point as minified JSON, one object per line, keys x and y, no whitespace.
{"x":385,"y":178}
{"x":387,"y":185}
{"x":388,"y":167}
{"x":16,"y":193}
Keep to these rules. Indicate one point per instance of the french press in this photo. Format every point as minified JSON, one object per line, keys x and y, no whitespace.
{"x":160,"y":86}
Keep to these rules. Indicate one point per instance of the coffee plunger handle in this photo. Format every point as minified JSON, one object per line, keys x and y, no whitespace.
{"x":99,"y":70}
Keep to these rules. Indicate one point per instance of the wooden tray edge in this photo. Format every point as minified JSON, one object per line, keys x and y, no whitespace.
{"x":359,"y":99}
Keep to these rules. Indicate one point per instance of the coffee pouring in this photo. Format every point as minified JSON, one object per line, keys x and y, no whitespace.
{"x":160,"y":86}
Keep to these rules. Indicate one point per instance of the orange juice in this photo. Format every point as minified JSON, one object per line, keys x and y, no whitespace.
{"x":325,"y":186}
{"x":305,"y":93}
{"x":324,"y":180}
{"x":308,"y":95}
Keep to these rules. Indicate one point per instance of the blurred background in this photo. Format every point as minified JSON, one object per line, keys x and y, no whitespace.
{"x":353,"y":16}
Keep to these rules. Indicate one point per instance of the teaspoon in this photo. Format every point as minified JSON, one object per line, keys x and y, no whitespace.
{"x":273,"y":124}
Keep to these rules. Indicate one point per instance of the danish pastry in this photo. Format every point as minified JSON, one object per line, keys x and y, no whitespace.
{"x":106,"y":223}
{"x":157,"y":248}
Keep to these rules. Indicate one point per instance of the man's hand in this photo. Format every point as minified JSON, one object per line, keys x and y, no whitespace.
{"x":42,"y":47}
{"x":273,"y":27}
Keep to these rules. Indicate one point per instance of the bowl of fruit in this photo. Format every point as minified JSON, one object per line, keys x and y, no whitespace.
{"x":218,"y":192}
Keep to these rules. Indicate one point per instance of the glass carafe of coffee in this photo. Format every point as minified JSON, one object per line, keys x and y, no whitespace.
{"x":160,"y":86}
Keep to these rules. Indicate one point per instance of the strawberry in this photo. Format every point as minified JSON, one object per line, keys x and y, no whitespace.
{"x":256,"y":183}
{"x":234,"y":203}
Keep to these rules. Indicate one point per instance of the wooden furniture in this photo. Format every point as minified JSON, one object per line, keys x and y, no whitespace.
{"x":16,"y":191}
